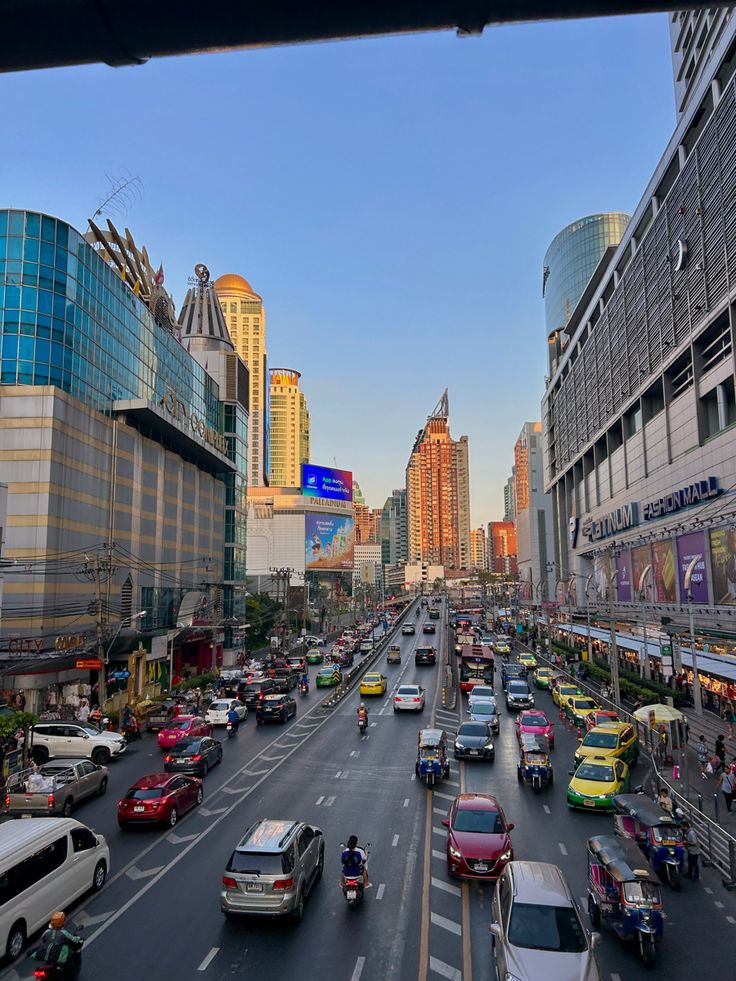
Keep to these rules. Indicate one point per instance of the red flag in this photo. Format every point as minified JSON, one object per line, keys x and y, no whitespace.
{"x":159,"y":278}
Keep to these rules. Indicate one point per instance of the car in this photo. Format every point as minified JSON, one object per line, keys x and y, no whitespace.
{"x":54,"y":788}
{"x":537,"y":931}
{"x":255,"y":691}
{"x":272,"y":869}
{"x":595,"y":783}
{"x":429,"y":628}
{"x":407,"y":629}
{"x":562,"y":691}
{"x":425,"y":655}
{"x":528,"y":659}
{"x":598,"y":718}
{"x":159,"y":798}
{"x":286,"y":679}
{"x":183,"y":725}
{"x":542,"y":677}
{"x":314,"y":656}
{"x":218,"y":711}
{"x":346,"y":659}
{"x":74,"y":740}
{"x":329,"y":676}
{"x":409,"y":698}
{"x":297,"y":663}
{"x":518,"y":694}
{"x":394,"y":654}
{"x":578,"y":707}
{"x":366,"y":646}
{"x":434,"y":614}
{"x":612,"y":739}
{"x":193,"y":754}
{"x":502,"y":647}
{"x":373,"y":683}
{"x":534,"y":721}
{"x":481,"y":691}
{"x":487,"y":640}
{"x":474,"y":740}
{"x":275,"y":708}
{"x":511,"y":672}
{"x":478,"y":838}
{"x":484,"y":710}
{"x":311,"y":641}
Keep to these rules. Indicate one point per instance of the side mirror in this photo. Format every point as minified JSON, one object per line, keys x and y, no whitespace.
{"x":495,"y":929}
{"x":510,"y":827}
{"x":595,"y":939}
{"x":85,"y":736}
{"x":571,"y":773}
{"x":445,"y":823}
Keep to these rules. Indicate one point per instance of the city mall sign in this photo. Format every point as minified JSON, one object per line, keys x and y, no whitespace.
{"x":596,"y":529}
{"x":188,"y":420}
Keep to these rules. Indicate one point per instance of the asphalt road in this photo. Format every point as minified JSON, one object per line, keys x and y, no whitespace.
{"x":159,"y":914}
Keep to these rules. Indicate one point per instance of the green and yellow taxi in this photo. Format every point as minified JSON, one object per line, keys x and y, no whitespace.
{"x":595,"y":783}
{"x":542,"y":677}
{"x":502,"y":647}
{"x":528,"y":659}
{"x":329,"y":677}
{"x":314,"y":656}
{"x":563,"y":691}
{"x":577,"y":707}
{"x":373,"y":683}
{"x":612,"y":740}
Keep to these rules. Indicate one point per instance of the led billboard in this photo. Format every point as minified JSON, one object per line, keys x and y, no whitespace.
{"x":335,"y":485}
{"x":329,"y":542}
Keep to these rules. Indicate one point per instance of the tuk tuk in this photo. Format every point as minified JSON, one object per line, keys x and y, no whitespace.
{"x":655,"y":831}
{"x":394,"y":654}
{"x":623,"y":892}
{"x":432,"y":763}
{"x":534,"y":766}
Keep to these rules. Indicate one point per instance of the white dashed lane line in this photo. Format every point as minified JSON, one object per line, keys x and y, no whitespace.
{"x":446,"y":886}
{"x":440,"y":855}
{"x":380,"y":891}
{"x":450,"y":925}
{"x":358,"y":969}
{"x":438,"y":793}
{"x":562,"y":847}
{"x":395,"y":841}
{"x":444,"y":970}
{"x":208,"y":959}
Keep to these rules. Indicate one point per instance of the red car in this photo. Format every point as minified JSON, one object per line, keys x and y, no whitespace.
{"x":160,"y":798}
{"x":535,"y":722}
{"x":183,"y":725}
{"x":478,"y":842}
{"x":599,"y":717}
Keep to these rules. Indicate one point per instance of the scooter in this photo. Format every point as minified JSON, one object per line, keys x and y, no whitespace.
{"x":362,"y":726}
{"x":352,"y":885}
{"x":132,"y":730}
{"x":303,"y":689}
{"x":231,"y":729}
{"x":51,"y":971}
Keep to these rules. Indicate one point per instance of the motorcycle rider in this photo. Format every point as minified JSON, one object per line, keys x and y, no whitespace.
{"x":304,"y":683}
{"x":362,"y":714}
{"x":61,"y":945}
{"x":355,"y":861}
{"x":232,"y":718}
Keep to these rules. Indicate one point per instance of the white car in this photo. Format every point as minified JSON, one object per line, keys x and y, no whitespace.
{"x":409,"y":698}
{"x":480,"y":691}
{"x":78,"y":740}
{"x":217,"y":712}
{"x":311,"y":641}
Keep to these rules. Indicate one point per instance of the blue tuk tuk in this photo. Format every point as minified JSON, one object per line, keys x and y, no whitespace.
{"x":655,"y":831}
{"x":623,"y":892}
{"x":534,"y":766}
{"x":432,"y":763}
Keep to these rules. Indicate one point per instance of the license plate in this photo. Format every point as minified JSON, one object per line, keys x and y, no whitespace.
{"x":352,"y":894}
{"x":589,"y":803}
{"x":481,"y":867}
{"x":254,"y":887}
{"x":474,"y":752}
{"x":138,"y":810}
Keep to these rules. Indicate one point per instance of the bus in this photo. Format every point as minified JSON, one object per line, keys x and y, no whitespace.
{"x":476,"y":666}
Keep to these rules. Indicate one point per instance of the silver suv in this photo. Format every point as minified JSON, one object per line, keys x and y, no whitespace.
{"x":272,"y":870}
{"x":536,"y":927}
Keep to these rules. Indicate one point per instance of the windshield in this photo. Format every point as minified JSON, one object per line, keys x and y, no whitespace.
{"x":484,"y":708}
{"x":641,"y":892}
{"x":179,"y":723}
{"x":604,"y":740}
{"x":547,"y":928}
{"x":584,"y":703}
{"x":480,"y":691}
{"x":185,"y":746}
{"x":473,"y":729}
{"x":666,"y":832}
{"x":535,"y":721}
{"x":479,"y":822}
{"x":259,"y":863}
{"x":140,"y":793}
{"x":405,"y":690}
{"x":90,"y":730}
{"x":219,"y":706}
{"x":591,"y":771}
{"x":518,"y":688}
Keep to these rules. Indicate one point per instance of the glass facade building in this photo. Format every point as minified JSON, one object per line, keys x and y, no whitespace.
{"x":571,"y":260}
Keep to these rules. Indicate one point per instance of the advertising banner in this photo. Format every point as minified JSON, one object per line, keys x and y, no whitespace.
{"x":335,"y":485}
{"x":641,"y":557}
{"x":663,"y":562}
{"x":602,"y":572}
{"x":688,"y":546}
{"x":723,"y":565}
{"x":329,"y":542}
{"x":623,"y":579}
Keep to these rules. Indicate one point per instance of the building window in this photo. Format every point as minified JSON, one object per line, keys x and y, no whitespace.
{"x":717,"y":409}
{"x":233,"y":308}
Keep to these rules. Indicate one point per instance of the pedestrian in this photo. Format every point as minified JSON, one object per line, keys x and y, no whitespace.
{"x":719,"y":754}
{"x":664,"y":800}
{"x":727,"y":782}
{"x":729,"y":717}
{"x":693,"y":850}
{"x":702,"y":751}
{"x":84,"y":710}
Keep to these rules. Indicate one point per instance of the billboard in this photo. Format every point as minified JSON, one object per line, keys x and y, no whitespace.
{"x":640,"y":558}
{"x":623,"y":579}
{"x":688,"y":547}
{"x":723,"y":564}
{"x":329,"y":542}
{"x":663,"y":566}
{"x":335,"y":485}
{"x":602,"y":572}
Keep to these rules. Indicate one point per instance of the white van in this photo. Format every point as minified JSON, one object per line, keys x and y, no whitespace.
{"x":45,"y":864}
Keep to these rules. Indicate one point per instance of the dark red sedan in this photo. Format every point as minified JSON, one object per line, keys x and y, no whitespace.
{"x":478,"y":842}
{"x":160,"y":798}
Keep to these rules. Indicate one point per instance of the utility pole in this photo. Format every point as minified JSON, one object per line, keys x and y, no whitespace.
{"x":283,"y":575}
{"x":100,"y":571}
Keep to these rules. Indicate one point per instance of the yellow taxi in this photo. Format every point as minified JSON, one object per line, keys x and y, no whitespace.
{"x":373,"y":683}
{"x":502,"y":647}
{"x":563,"y":691}
{"x":595,"y":783}
{"x":578,"y":706}
{"x":528,"y":659}
{"x":612,"y":740}
{"x":542,"y":677}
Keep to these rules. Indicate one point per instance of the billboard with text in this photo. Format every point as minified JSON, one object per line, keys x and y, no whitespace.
{"x":329,"y":542}
{"x":335,"y":485}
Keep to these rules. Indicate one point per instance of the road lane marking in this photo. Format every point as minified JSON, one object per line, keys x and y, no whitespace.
{"x":444,"y":970}
{"x":452,"y":783}
{"x":424,"y":958}
{"x":615,"y":977}
{"x":319,"y":800}
{"x":440,"y":855}
{"x":180,"y":839}
{"x":440,"y":810}
{"x":273,"y":759}
{"x":546,"y":808}
{"x":380,"y":891}
{"x":253,"y":773}
{"x":708,"y":890}
{"x":406,"y":802}
{"x":446,"y":886}
{"x":209,"y":812}
{"x":467,"y":953}
{"x":355,"y":752}
{"x":358,"y":969}
{"x":439,"y":831}
{"x":87,"y":921}
{"x":338,"y":774}
{"x":395,"y":841}
{"x":438,"y":793}
{"x":208,"y":959}
{"x":373,"y":725}
{"x":562,"y":847}
{"x":330,"y":801}
{"x":345,"y":774}
{"x":450,"y":925}
{"x":233,"y":790}
{"x":719,"y":905}
{"x":135,"y":873}
{"x":731,"y":919}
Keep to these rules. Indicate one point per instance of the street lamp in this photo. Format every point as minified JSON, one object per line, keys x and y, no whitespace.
{"x":697,"y":695}
{"x":642,"y":598}
{"x":106,"y":659}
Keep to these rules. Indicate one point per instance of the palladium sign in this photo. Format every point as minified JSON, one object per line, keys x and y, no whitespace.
{"x":178,"y":410}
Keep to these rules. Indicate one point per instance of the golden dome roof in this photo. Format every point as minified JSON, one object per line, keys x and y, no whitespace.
{"x":232,"y":283}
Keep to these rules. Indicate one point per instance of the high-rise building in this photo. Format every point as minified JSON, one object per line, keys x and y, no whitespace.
{"x":394,"y":534}
{"x":509,"y":497}
{"x":289,"y":435}
{"x":437,"y":494}
{"x":246,"y":322}
{"x":367,"y":567}
{"x":478,"y":549}
{"x":695,"y":35}
{"x":535,"y":547}
{"x":502,"y":548}
{"x":367,"y":524}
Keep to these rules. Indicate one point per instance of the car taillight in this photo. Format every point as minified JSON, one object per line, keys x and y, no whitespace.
{"x":283,"y":884}
{"x":416,"y":699}
{"x":7,"y":800}
{"x":228,"y":882}
{"x":260,"y":696}
{"x":168,"y":759}
{"x":197,"y":757}
{"x":50,"y":800}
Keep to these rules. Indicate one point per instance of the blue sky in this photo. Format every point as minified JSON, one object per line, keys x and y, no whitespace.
{"x":391,"y":199}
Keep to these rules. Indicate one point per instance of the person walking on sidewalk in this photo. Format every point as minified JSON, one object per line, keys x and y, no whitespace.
{"x":719,"y":756}
{"x":693,"y":850}
{"x":729,"y":717}
{"x":727,"y":782}
{"x":703,"y":756}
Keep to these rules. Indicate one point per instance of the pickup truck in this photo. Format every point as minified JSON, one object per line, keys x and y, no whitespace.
{"x":54,"y":788}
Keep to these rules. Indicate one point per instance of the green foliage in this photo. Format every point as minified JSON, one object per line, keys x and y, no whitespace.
{"x":261,"y":612}
{"x":200,"y":681}
{"x":10,"y":724}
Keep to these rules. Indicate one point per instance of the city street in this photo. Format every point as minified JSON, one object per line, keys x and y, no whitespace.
{"x":159,"y":914}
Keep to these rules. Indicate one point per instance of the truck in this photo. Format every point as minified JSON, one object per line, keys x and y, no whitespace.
{"x":54,"y":788}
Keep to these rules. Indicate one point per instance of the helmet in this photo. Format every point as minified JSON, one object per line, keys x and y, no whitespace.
{"x":362,"y":705}
{"x":57,"y":920}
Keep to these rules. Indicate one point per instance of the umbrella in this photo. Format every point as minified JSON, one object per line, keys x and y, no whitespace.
{"x":662,"y":713}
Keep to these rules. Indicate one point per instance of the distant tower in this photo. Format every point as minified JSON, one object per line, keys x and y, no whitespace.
{"x":290,"y":429}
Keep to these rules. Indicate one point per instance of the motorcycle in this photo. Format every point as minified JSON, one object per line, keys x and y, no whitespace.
{"x":231,"y":729}
{"x":51,"y":971}
{"x":132,"y":730}
{"x":352,"y":884}
{"x":303,"y":689}
{"x":362,"y":726}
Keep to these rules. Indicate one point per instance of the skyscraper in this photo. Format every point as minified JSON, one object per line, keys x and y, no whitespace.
{"x":367,"y":524}
{"x":534,"y":521}
{"x":246,"y":322}
{"x":509,"y":497}
{"x":694,"y":35}
{"x":289,"y":436}
{"x":438,"y":495}
{"x":502,"y":548}
{"x":478,"y":549}
{"x":394,"y":534}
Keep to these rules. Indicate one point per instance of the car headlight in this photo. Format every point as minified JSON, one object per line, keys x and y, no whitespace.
{"x":489,"y":745}
{"x":459,"y":745}
{"x":454,"y":852}
{"x":505,"y":856}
